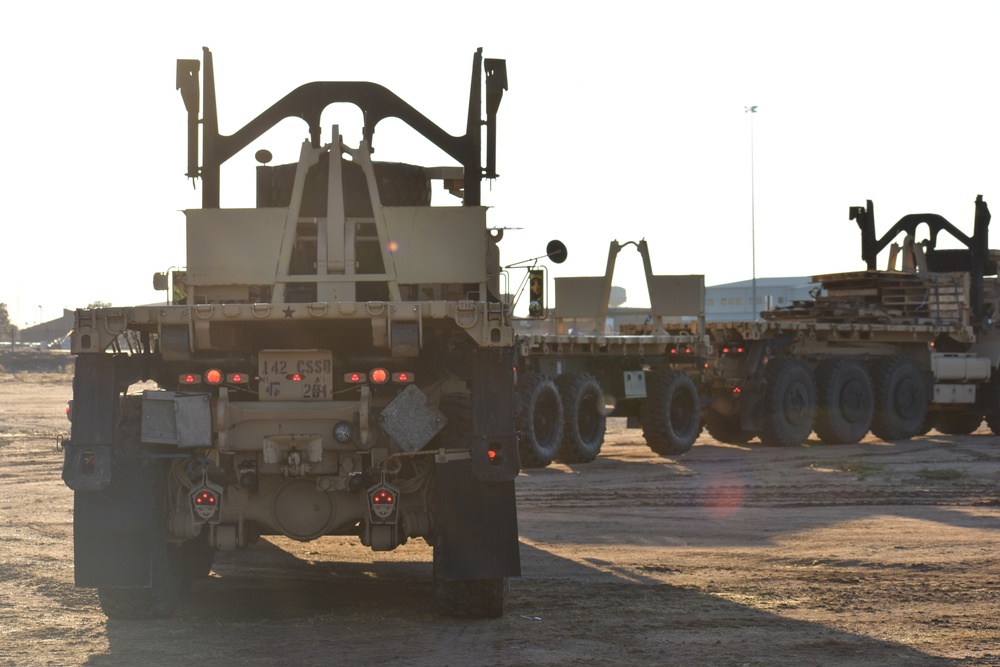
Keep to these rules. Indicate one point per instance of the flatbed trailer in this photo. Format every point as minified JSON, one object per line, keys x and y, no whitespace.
{"x":894,"y":352}
{"x":578,"y":370}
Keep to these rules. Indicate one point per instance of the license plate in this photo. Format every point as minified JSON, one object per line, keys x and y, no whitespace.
{"x":295,"y":375}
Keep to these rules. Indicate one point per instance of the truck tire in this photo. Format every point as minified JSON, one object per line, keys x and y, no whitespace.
{"x":469,"y":598}
{"x":159,"y":600}
{"x":197,"y":556}
{"x":584,"y":419}
{"x":670,"y":414}
{"x":844,"y":402}
{"x":957,"y":423}
{"x":991,"y":396}
{"x":789,"y":403}
{"x":726,"y":428}
{"x":539,"y":421}
{"x":900,"y":398}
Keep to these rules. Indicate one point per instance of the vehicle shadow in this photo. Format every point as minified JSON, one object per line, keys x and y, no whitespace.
{"x":268,"y":607}
{"x":745,"y":495}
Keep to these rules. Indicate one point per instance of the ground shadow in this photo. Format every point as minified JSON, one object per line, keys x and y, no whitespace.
{"x":292,"y":612}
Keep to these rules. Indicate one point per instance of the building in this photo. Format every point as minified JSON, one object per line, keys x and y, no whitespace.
{"x":731,"y":302}
{"x":51,"y":333}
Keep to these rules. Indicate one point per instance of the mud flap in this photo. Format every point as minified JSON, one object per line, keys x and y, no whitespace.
{"x":117,"y":514}
{"x":115,"y":530}
{"x":475,"y":526}
{"x":476,"y":515}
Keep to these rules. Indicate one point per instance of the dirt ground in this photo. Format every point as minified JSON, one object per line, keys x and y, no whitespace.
{"x":875,"y":554}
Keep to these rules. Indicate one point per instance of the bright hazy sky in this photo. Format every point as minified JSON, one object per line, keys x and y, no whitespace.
{"x":623,"y":121}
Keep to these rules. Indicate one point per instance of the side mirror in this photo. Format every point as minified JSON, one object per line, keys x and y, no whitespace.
{"x":536,"y":293}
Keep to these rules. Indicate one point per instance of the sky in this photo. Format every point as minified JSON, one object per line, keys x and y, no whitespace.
{"x":622,"y":121}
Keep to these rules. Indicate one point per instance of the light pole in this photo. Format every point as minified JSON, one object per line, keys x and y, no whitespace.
{"x":753,"y":223}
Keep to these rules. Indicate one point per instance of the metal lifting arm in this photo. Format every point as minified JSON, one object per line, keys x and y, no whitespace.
{"x":975,"y":259}
{"x":308,"y":102}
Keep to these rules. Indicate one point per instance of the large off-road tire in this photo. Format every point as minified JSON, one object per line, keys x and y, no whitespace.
{"x":844,"y":402}
{"x":539,"y":421}
{"x":789,"y":403}
{"x":726,"y":428}
{"x":900,"y":395}
{"x":469,"y":598}
{"x":159,"y":600}
{"x":991,"y":402}
{"x":584,"y":418}
{"x":957,"y":423}
{"x":671,"y":414}
{"x":197,"y":556}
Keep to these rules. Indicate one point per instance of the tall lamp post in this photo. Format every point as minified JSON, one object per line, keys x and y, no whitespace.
{"x":753,"y":223}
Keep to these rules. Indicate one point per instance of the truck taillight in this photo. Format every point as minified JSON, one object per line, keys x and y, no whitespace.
{"x":380,"y":376}
{"x":295,"y":377}
{"x":213,"y":376}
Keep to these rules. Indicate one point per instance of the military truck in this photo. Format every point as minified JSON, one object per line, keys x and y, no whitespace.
{"x":325,"y":365}
{"x":894,"y":351}
{"x":575,"y":367}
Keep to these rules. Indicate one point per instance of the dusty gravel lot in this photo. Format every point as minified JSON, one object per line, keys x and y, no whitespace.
{"x":875,"y":554}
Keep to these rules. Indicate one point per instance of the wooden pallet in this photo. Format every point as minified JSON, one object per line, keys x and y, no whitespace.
{"x":885,"y":297}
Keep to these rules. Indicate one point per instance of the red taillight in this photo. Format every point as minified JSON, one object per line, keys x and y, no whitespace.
{"x":725,"y":350}
{"x":206,"y":499}
{"x":379,"y":376}
{"x":402,"y":377}
{"x":737,"y":391}
{"x":355,"y":378}
{"x":383,"y":497}
{"x":189,"y":378}
{"x":295,"y":377}
{"x":237,"y":378}
{"x":213,"y":376}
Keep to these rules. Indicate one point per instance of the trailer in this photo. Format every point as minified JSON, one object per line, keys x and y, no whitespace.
{"x":894,"y":352}
{"x":575,"y":367}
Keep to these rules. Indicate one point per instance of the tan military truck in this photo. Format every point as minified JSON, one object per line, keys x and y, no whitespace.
{"x":335,"y":361}
{"x":894,"y":351}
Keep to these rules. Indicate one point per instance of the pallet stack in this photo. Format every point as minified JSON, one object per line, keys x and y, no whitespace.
{"x":883,"y":297}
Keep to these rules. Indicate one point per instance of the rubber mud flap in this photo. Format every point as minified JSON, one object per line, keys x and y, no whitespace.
{"x":87,"y":468}
{"x":114,"y":529}
{"x":475,"y":525}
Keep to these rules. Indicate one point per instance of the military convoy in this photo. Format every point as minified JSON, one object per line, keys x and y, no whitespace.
{"x":325,"y":365}
{"x":892,"y":352}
